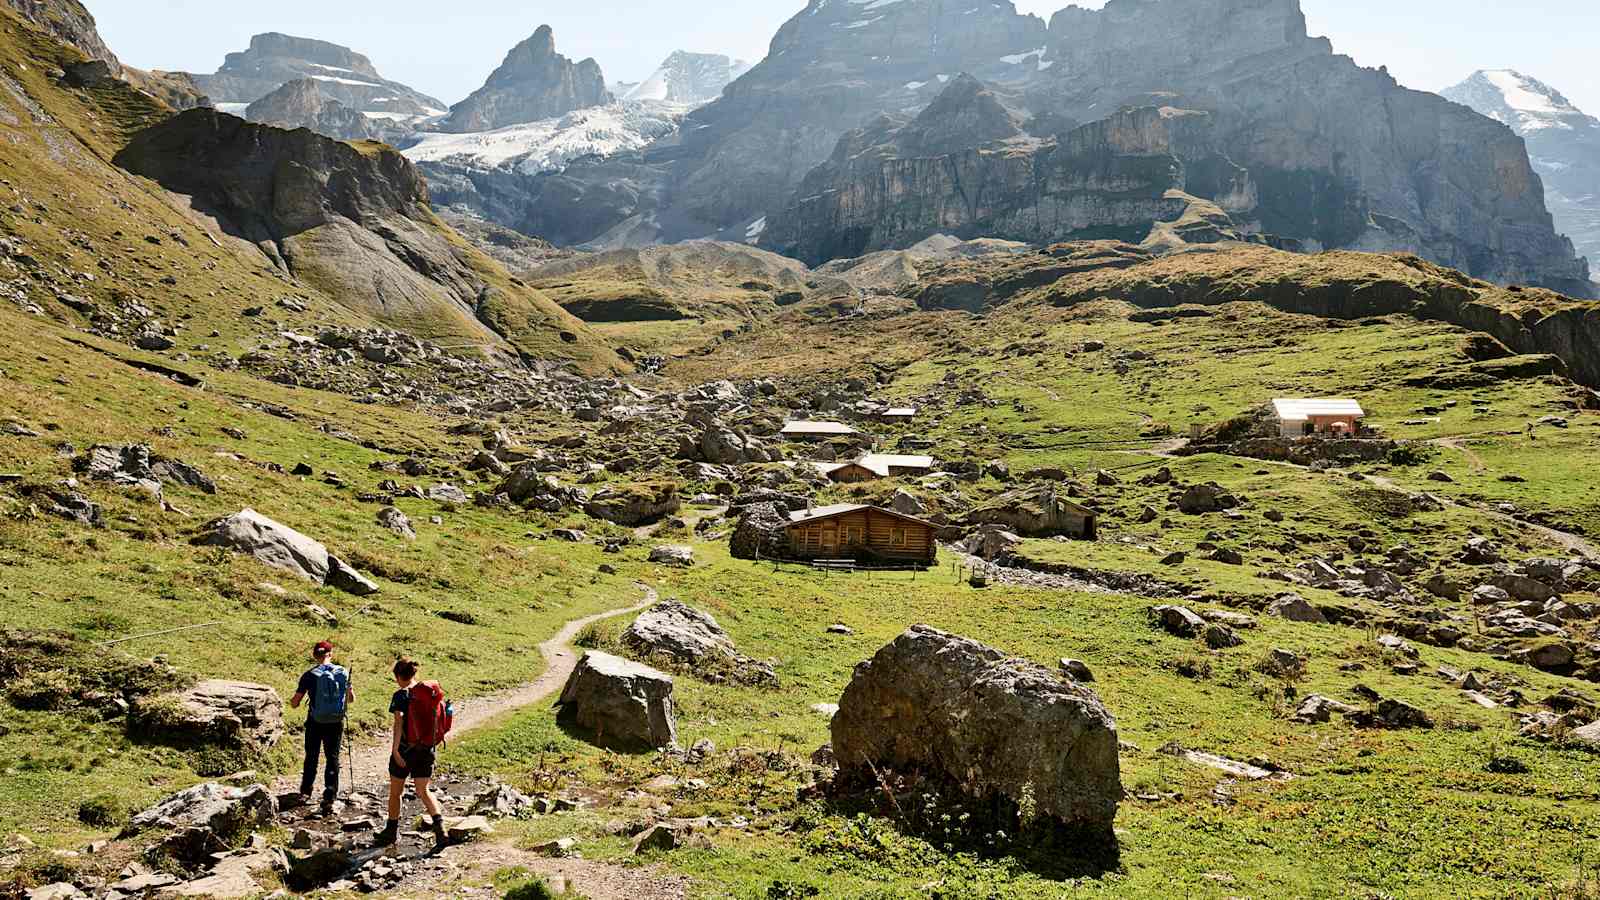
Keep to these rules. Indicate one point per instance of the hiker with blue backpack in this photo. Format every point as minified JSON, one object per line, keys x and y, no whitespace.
{"x":329,"y":689}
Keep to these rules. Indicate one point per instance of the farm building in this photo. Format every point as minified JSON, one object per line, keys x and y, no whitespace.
{"x":1299,"y":418}
{"x":817,"y":431}
{"x":861,"y":533}
{"x":874,"y":466}
{"x":1039,"y":511}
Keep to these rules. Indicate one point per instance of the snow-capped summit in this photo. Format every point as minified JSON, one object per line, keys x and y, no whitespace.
{"x":1524,"y":103}
{"x":690,"y":78}
{"x":1563,"y":144}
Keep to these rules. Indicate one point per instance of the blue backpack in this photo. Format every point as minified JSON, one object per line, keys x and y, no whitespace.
{"x":328,"y":700}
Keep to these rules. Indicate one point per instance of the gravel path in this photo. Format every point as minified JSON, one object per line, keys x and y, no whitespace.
{"x":372,"y":757}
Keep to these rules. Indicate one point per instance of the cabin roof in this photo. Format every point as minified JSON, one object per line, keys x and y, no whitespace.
{"x":806,"y":516}
{"x":800,"y":427}
{"x":878,"y":464}
{"x":1294,"y":410}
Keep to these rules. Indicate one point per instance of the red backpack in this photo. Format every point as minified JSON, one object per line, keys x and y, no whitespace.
{"x":428,"y":715}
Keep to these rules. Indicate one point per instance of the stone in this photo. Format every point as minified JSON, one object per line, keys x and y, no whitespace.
{"x":1481,"y":551}
{"x":467,"y":828}
{"x":1524,"y":588}
{"x":500,"y":801}
{"x":1317,"y":708}
{"x":303,"y":839}
{"x":232,"y":715}
{"x":1390,"y":643}
{"x":1076,"y":669}
{"x":1179,"y":621}
{"x":1552,"y":657}
{"x":760,"y":533}
{"x":1296,"y":608}
{"x":1221,"y":637}
{"x":657,"y":838}
{"x":826,"y":710}
{"x":1490,"y":595}
{"x":676,"y":555}
{"x":1442,"y":477}
{"x":318,"y":869}
{"x":1586,"y":736}
{"x":1199,"y":499}
{"x":281,"y":547}
{"x":1443,"y":587}
{"x":994,"y":728}
{"x":1228,"y":617}
{"x":447,"y":493}
{"x":1395,"y":714}
{"x":906,"y":503}
{"x":621,"y":704}
{"x":347,"y":579}
{"x":558,"y":848}
{"x":634,"y":505}
{"x":1284,"y":663}
{"x":60,"y":890}
{"x":224,"y":812}
{"x":692,"y":638}
{"x":992,"y":543}
{"x":396,"y":521}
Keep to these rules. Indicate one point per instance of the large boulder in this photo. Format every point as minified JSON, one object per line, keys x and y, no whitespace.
{"x":280,"y":546}
{"x":676,"y":555}
{"x":692,"y":638}
{"x":634,"y":504}
{"x":1004,"y":732}
{"x":137,"y":465}
{"x":529,"y":487}
{"x":224,"y":811}
{"x":992,"y":543}
{"x":1205,"y":498}
{"x":240,"y":719}
{"x":761,"y":533}
{"x":719,"y":444}
{"x":620,"y":704}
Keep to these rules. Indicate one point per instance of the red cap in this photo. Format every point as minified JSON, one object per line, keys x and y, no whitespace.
{"x":322,"y":648}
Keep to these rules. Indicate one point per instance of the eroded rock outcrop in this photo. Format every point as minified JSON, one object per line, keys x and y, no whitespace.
{"x":282,"y":547}
{"x":692,"y":638}
{"x":996,"y":729}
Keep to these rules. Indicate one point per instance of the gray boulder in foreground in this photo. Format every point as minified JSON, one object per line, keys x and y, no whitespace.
{"x":993,"y":727}
{"x":619,"y":703}
{"x":281,"y":547}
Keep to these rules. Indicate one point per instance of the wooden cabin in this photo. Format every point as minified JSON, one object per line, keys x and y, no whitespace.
{"x":874,"y":466}
{"x":861,"y":533}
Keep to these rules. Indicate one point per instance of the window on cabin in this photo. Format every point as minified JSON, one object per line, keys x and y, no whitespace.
{"x":897,"y":537}
{"x":854,"y":535}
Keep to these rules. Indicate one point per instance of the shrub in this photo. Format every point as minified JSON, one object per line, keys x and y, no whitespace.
{"x":605,"y":634}
{"x":102,"y":811}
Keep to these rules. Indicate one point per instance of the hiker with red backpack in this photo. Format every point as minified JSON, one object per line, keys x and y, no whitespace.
{"x":422,"y":718}
{"x":328,"y":687}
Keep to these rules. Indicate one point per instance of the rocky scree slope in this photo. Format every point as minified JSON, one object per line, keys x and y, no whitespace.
{"x":1563,"y":141}
{"x":353,"y":221}
{"x":534,"y":82}
{"x":1300,"y":143}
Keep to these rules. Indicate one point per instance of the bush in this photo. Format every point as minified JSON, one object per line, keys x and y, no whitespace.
{"x":1410,"y":455}
{"x":539,"y":889}
{"x":102,"y":811}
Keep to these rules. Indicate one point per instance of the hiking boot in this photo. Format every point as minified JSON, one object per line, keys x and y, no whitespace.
{"x":441,"y":840}
{"x":326,"y":809}
{"x":389,"y":835}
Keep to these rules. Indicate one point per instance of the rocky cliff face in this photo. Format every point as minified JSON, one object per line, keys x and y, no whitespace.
{"x":1563,"y":142}
{"x":342,"y":74}
{"x":70,"y":23}
{"x":300,"y":104}
{"x":1307,"y":145}
{"x":535,"y":82}
{"x":964,"y":167}
{"x":351,"y":220}
{"x":833,"y":67}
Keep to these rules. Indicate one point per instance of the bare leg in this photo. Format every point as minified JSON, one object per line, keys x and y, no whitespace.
{"x":397,"y":786}
{"x":426,"y":796}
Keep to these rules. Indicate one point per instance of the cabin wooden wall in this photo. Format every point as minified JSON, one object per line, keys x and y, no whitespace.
{"x":865,"y":532}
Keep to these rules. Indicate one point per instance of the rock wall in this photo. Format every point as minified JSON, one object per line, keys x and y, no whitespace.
{"x":300,"y":104}
{"x":535,"y":82}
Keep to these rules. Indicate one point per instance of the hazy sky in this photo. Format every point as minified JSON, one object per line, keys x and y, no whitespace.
{"x":448,"y":49}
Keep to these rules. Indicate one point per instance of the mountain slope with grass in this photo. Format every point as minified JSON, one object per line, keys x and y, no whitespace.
{"x":1383,"y":678}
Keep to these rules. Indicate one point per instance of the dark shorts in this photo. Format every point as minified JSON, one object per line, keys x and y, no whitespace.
{"x":419,"y":763}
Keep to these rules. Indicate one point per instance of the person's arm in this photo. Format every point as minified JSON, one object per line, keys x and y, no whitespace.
{"x":300,"y":691}
{"x":295,"y":701}
{"x":394,"y":744}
